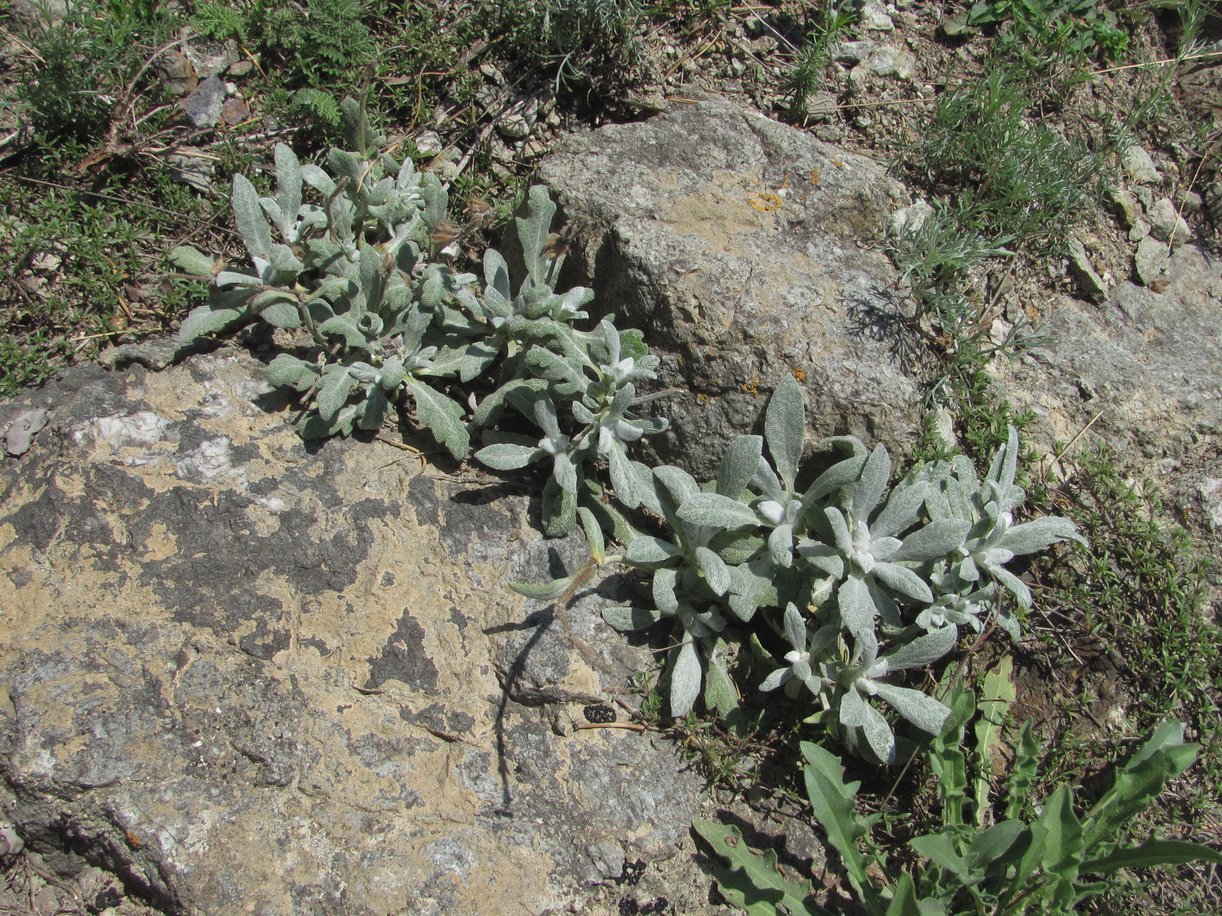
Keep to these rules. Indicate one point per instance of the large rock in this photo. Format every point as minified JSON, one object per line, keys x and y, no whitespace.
{"x":1141,"y":373}
{"x":247,"y":675}
{"x":746,"y":250}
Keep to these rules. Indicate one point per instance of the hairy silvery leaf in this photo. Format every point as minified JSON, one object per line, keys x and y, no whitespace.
{"x":436,"y":201}
{"x":533,"y":230}
{"x":287,"y":371}
{"x":646,"y":550}
{"x":857,"y":714}
{"x":278,"y":311}
{"x":922,"y":651}
{"x":497,"y":292}
{"x":347,"y":165}
{"x":288,"y":185}
{"x":838,"y":476}
{"x":920,"y":709}
{"x":317,"y":179}
{"x":628,"y":479}
{"x":567,"y":378}
{"x":903,"y":581}
{"x":334,"y":387}
{"x":626,"y":619}
{"x":205,"y":319}
{"x":675,"y":486}
{"x":441,"y":416}
{"x":373,"y":412}
{"x":248,"y":214}
{"x":738,"y":465}
{"x":559,"y":509}
{"x":686,"y":675}
{"x":342,"y":424}
{"x":714,"y":570}
{"x":868,"y":490}
{"x":343,"y":327}
{"x":717,"y":511}
{"x":226,"y":278}
{"x":856,"y":604}
{"x":785,"y":429}
{"x":934,"y":540}
{"x":902,"y":510}
{"x":720,"y":693}
{"x":798,"y":658}
{"x":566,"y":471}
{"x":506,"y":456}
{"x":594,"y":535}
{"x":1000,"y":480}
{"x":357,"y":128}
{"x":192,"y":261}
{"x":1035,"y":535}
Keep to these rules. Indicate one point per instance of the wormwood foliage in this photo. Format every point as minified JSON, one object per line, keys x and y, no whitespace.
{"x":856,"y":583}
{"x":344,"y":256}
{"x":989,"y":856}
{"x":854,"y":580}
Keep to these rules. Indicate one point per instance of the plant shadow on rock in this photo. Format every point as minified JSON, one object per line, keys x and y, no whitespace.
{"x":880,"y":317}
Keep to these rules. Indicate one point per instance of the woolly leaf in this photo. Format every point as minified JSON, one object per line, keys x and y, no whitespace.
{"x":717,"y":511}
{"x":205,"y":320}
{"x":533,"y":229}
{"x":920,"y":709}
{"x":287,"y":371}
{"x":630,"y":618}
{"x":248,"y":215}
{"x":192,"y":261}
{"x":714,"y":569}
{"x":785,"y":429}
{"x":442,"y":416}
{"x":936,"y":539}
{"x":646,"y":549}
{"x":685,"y":678}
{"x":738,"y":465}
{"x":506,"y":456}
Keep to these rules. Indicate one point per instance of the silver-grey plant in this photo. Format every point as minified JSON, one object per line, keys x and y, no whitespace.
{"x":854,"y":580}
{"x":873,"y":580}
{"x":345,"y":255}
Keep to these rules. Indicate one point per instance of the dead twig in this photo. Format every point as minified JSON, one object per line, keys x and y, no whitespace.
{"x":625,"y":726}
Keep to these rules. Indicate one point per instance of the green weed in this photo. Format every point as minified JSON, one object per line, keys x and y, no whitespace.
{"x":1138,"y":592}
{"x":1040,"y":32}
{"x":88,"y":67}
{"x":1014,"y":179}
{"x":79,"y":268}
{"x":806,"y":72}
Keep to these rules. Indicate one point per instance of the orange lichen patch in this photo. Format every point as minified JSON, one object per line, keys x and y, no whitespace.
{"x":702,"y":399}
{"x":799,"y":375}
{"x":815,"y":177}
{"x":766,"y":201}
{"x":838,"y":163}
{"x":752,"y":387}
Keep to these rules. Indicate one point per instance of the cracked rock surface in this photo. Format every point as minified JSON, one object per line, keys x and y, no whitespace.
{"x":246,"y":674}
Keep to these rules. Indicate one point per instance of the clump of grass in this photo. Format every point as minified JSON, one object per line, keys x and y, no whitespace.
{"x":87,"y":66}
{"x":81,"y":267}
{"x":589,"y":47}
{"x":1013,"y":178}
{"x":1140,"y":592}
